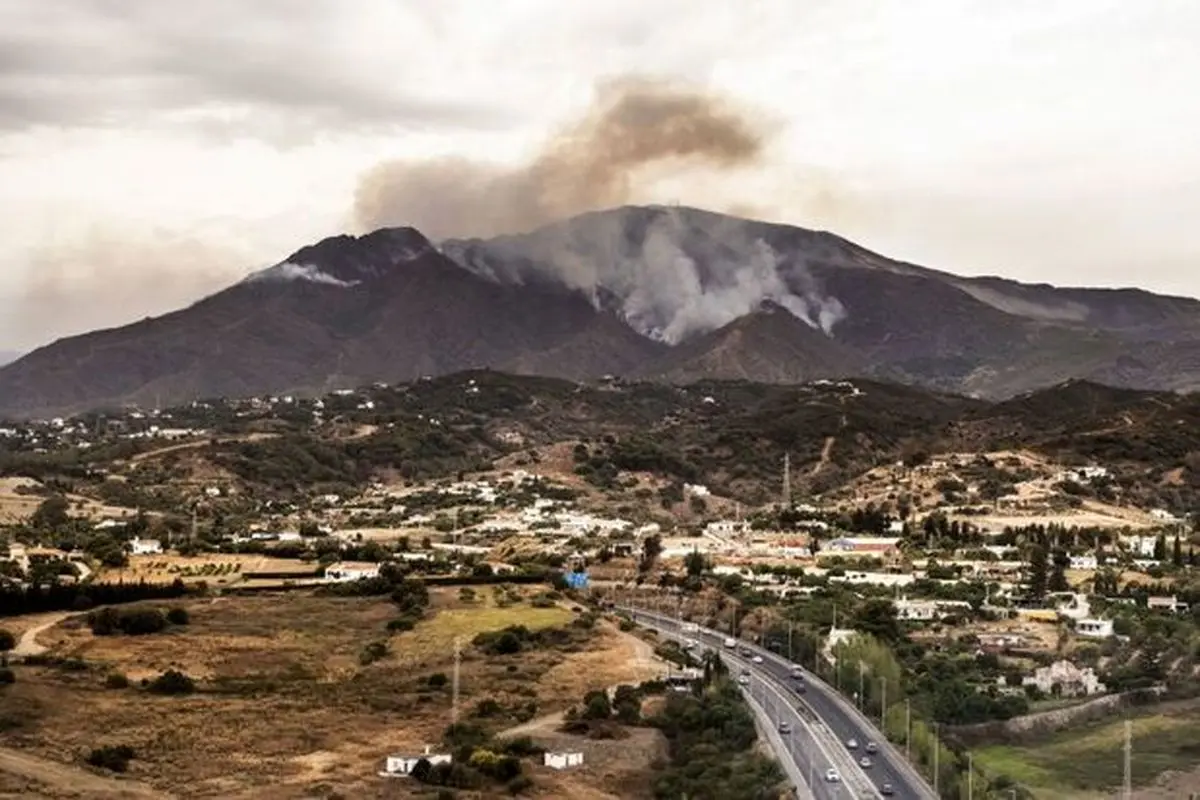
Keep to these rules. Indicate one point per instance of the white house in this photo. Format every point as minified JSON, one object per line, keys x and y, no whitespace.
{"x":145,"y":547}
{"x":402,"y":766}
{"x":1094,"y":628}
{"x":562,"y":760}
{"x":1084,"y":563}
{"x":1071,"y":680}
{"x":345,"y":572}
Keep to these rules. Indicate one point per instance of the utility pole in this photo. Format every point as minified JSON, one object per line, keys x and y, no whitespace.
{"x":907,"y":729}
{"x":937,"y":749}
{"x":883,"y":706}
{"x":970,"y":776}
{"x":790,"y":626}
{"x":454,"y":693}
{"x":1128,"y":787}
{"x":862,"y":674}
{"x":787,"y":480}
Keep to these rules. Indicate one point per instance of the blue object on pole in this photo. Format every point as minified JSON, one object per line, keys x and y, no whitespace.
{"x":577,"y":580}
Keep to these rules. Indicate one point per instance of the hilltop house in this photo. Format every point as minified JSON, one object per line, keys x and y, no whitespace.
{"x":402,"y":766}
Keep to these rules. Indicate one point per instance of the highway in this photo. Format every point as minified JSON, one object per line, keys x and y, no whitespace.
{"x":834,"y":720}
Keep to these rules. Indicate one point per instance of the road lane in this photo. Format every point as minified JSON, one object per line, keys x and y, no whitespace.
{"x":840,"y":719}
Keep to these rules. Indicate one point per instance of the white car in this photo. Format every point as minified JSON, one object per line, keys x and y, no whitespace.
{"x":864,"y":762}
{"x":852,"y":744}
{"x":831,"y":776}
{"x":730,"y":643}
{"x":757,"y":659}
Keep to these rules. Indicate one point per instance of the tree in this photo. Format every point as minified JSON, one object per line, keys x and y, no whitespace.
{"x":7,"y":640}
{"x":1058,"y":574}
{"x":1037,"y":571}
{"x":52,"y":513}
{"x":1160,"y":547}
{"x":1177,"y":552}
{"x":696,"y":563}
{"x":651,"y":549}
{"x":878,"y":618}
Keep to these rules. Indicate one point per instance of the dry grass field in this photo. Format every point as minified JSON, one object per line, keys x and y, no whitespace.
{"x":18,"y":502}
{"x":284,"y":707}
{"x":215,"y":568}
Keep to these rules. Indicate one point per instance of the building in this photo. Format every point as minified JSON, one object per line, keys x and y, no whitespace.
{"x":561,"y":760}
{"x":1094,"y":628}
{"x":885,"y":547}
{"x":145,"y":547}
{"x":1064,"y":679}
{"x":347,"y":571}
{"x":402,"y":766}
{"x":1168,"y":603}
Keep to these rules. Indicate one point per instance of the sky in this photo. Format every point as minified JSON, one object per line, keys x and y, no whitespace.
{"x":153,"y":151}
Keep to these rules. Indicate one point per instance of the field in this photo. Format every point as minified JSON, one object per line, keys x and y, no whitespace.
{"x":285,"y":708}
{"x":17,"y":503}
{"x":1086,"y":762}
{"x":216,"y":569}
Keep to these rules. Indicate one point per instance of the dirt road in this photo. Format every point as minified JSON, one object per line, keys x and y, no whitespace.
{"x":28,"y":645}
{"x":66,"y":780}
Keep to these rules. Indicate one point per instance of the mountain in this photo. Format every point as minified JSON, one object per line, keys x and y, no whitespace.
{"x":669,"y":294}
{"x":8,"y":356}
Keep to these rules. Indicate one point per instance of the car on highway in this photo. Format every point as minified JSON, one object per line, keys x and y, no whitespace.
{"x":757,"y":659}
{"x":887,"y":790}
{"x":852,"y":744}
{"x":744,"y":680}
{"x":800,"y":688}
{"x":797,"y":674}
{"x":832,"y":776}
{"x":730,"y":643}
{"x":865,"y":762}
{"x":785,"y":727}
{"x":872,"y":748}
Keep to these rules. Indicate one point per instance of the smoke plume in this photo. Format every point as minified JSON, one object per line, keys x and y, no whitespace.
{"x":674,"y":274}
{"x":633,"y":125}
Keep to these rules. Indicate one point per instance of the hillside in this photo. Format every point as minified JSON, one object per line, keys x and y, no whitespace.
{"x":671,"y":294}
{"x":731,"y":436}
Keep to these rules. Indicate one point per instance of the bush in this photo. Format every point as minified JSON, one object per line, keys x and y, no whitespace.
{"x":116,"y":680}
{"x":178,"y":616}
{"x":519,"y":784}
{"x":172,"y":682}
{"x":114,"y":758}
{"x":401,"y":624}
{"x":373,"y":652}
{"x":7,"y":676}
{"x":7,"y":640}
{"x":437,"y":680}
{"x":129,"y":621}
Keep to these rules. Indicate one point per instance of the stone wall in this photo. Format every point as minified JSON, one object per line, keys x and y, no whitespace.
{"x":1046,"y":722}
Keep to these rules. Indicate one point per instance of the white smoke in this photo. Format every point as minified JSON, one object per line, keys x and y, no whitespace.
{"x":287,"y":271}
{"x":688,"y":272}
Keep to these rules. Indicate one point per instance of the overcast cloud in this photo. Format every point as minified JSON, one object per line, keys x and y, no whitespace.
{"x":154,"y":150}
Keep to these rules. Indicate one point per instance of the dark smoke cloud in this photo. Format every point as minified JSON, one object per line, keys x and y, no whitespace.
{"x":633,"y":125}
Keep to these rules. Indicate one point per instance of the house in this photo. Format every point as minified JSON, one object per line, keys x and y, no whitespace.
{"x":145,"y":547}
{"x":1064,"y":679}
{"x":561,"y":760}
{"x":726,"y":527}
{"x":402,"y":766}
{"x":1168,"y":603}
{"x":1094,"y":628}
{"x":885,"y":547}
{"x":347,"y":571}
{"x":1084,"y":563}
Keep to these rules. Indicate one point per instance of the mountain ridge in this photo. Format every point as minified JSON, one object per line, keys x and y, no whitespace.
{"x":670,"y":293}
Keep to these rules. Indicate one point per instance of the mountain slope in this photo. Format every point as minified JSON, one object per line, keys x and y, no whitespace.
{"x":672,"y":294}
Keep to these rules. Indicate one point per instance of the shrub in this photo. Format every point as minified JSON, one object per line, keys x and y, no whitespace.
{"x":373,"y":652}
{"x":596,"y":705}
{"x":178,"y":616}
{"x":116,"y":680}
{"x":401,"y":624}
{"x":437,"y":680}
{"x":519,"y":784}
{"x":7,"y":640}
{"x":172,"y":682}
{"x":114,"y":758}
{"x":129,"y":621}
{"x":7,"y":676}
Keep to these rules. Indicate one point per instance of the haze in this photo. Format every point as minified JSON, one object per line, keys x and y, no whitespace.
{"x":155,"y":150}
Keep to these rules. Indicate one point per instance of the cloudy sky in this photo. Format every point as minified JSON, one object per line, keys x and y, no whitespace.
{"x":154,"y":150}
